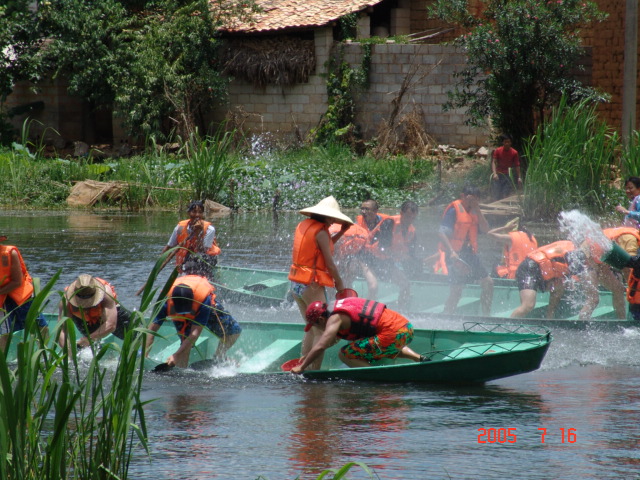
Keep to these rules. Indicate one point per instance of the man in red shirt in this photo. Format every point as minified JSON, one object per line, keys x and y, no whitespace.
{"x":502,"y":160}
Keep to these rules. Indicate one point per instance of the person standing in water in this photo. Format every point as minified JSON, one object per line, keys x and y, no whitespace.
{"x":197,"y":238}
{"x":313,"y":268}
{"x":461,"y":222}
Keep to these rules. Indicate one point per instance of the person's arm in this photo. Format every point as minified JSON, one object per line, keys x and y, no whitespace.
{"x":494,"y":161}
{"x":62,"y":336}
{"x":496,"y":233}
{"x":518,"y":175}
{"x":324,"y":244}
{"x":180,"y":357}
{"x":338,"y":235}
{"x":483,"y":225}
{"x":155,"y":325}
{"x":327,"y":339}
{"x":16,"y":275}
{"x":556,"y":291}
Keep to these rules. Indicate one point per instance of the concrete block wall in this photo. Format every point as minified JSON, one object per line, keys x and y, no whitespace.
{"x":284,"y":110}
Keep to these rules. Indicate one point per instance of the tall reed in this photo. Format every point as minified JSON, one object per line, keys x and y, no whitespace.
{"x":569,"y":162}
{"x":60,"y":419}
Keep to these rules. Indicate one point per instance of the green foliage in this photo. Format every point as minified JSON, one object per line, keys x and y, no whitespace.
{"x":210,"y":164}
{"x":67,"y":420}
{"x":521,"y":56}
{"x":343,"y":84}
{"x":155,"y":60}
{"x":570,"y":160}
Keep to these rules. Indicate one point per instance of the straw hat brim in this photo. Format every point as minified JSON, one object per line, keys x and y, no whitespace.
{"x":327,"y":207}
{"x":81,"y":302}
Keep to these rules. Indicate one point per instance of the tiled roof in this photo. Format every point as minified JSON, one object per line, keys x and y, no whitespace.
{"x":281,"y":14}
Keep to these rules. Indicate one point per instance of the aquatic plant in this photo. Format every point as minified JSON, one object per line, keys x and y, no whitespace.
{"x":569,"y":162}
{"x":61,"y":419}
{"x":338,"y":474}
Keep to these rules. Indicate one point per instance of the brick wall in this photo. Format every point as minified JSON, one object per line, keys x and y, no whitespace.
{"x":285,"y":110}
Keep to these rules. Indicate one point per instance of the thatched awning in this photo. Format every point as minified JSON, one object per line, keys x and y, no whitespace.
{"x":281,"y":60}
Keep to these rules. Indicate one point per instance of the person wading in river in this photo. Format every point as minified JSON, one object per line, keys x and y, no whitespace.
{"x":313,"y":267}
{"x":197,"y":237}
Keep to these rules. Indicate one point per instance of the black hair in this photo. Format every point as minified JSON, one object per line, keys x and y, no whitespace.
{"x":375,"y":203}
{"x":634,"y":180}
{"x":195,"y":204}
{"x":505,"y":136}
{"x":471,"y":190}
{"x":182,"y":296}
{"x":409,"y":206}
{"x":522,"y":228}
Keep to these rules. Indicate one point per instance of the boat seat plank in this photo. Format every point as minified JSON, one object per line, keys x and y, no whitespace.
{"x":198,"y":352}
{"x":464,"y":303}
{"x":276,"y":352}
{"x":264,"y":284}
{"x":599,"y":312}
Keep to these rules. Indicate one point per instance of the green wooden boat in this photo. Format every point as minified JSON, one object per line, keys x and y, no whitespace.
{"x":477,"y":354}
{"x":270,"y":288}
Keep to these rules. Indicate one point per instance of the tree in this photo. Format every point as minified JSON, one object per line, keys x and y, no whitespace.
{"x":521,"y":59}
{"x":19,"y":45}
{"x":154,"y":61}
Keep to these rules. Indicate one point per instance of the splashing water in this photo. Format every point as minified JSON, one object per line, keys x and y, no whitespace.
{"x":583,"y":232}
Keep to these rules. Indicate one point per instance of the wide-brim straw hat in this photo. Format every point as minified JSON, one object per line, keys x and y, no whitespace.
{"x":85,"y":292}
{"x":327,"y":207}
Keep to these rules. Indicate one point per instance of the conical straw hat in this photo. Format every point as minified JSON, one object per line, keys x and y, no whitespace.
{"x":327,"y":207}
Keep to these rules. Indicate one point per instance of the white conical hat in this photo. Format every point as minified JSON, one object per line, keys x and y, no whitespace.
{"x":327,"y":207}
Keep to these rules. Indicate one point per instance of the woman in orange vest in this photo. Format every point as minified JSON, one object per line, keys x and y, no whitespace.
{"x":92,"y":304}
{"x":546,"y":269}
{"x":191,"y":305}
{"x":16,"y":293}
{"x":197,"y":238}
{"x":313,"y":267}
{"x":518,"y":243}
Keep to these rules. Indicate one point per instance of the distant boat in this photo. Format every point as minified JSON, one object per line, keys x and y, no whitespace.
{"x":270,"y":288}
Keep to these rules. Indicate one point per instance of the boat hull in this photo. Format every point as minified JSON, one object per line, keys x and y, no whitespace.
{"x":479,"y":353}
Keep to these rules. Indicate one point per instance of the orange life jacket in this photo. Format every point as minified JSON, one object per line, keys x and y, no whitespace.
{"x":552,"y":259}
{"x":364,"y":315}
{"x":190,"y":244}
{"x":633,"y":289}
{"x":90,"y":318}
{"x":351,"y":242}
{"x":308,"y":264}
{"x":25,"y":290}
{"x":465,"y":228}
{"x":202,"y":290}
{"x":372,"y":246}
{"x":513,"y":255}
{"x":401,"y":241}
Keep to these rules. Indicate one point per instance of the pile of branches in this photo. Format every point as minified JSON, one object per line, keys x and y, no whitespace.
{"x":282,"y":60}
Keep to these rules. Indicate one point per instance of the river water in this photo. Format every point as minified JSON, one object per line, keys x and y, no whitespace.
{"x":578,"y":416}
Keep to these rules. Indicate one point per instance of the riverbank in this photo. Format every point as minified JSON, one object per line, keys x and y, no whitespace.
{"x":282,"y":180}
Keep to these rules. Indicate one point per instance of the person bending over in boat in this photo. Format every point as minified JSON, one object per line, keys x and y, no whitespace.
{"x":373,"y":330}
{"x":547,"y":269}
{"x":518,"y":243}
{"x":313,"y":267}
{"x":191,"y":305}
{"x":198,"y":239}
{"x":92,"y":304}
{"x":16,"y":293}
{"x":461,"y":222}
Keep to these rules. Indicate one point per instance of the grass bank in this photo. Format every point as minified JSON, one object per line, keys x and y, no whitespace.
{"x":211,"y":168}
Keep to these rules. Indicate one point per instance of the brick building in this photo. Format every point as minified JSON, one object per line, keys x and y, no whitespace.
{"x":295,"y":107}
